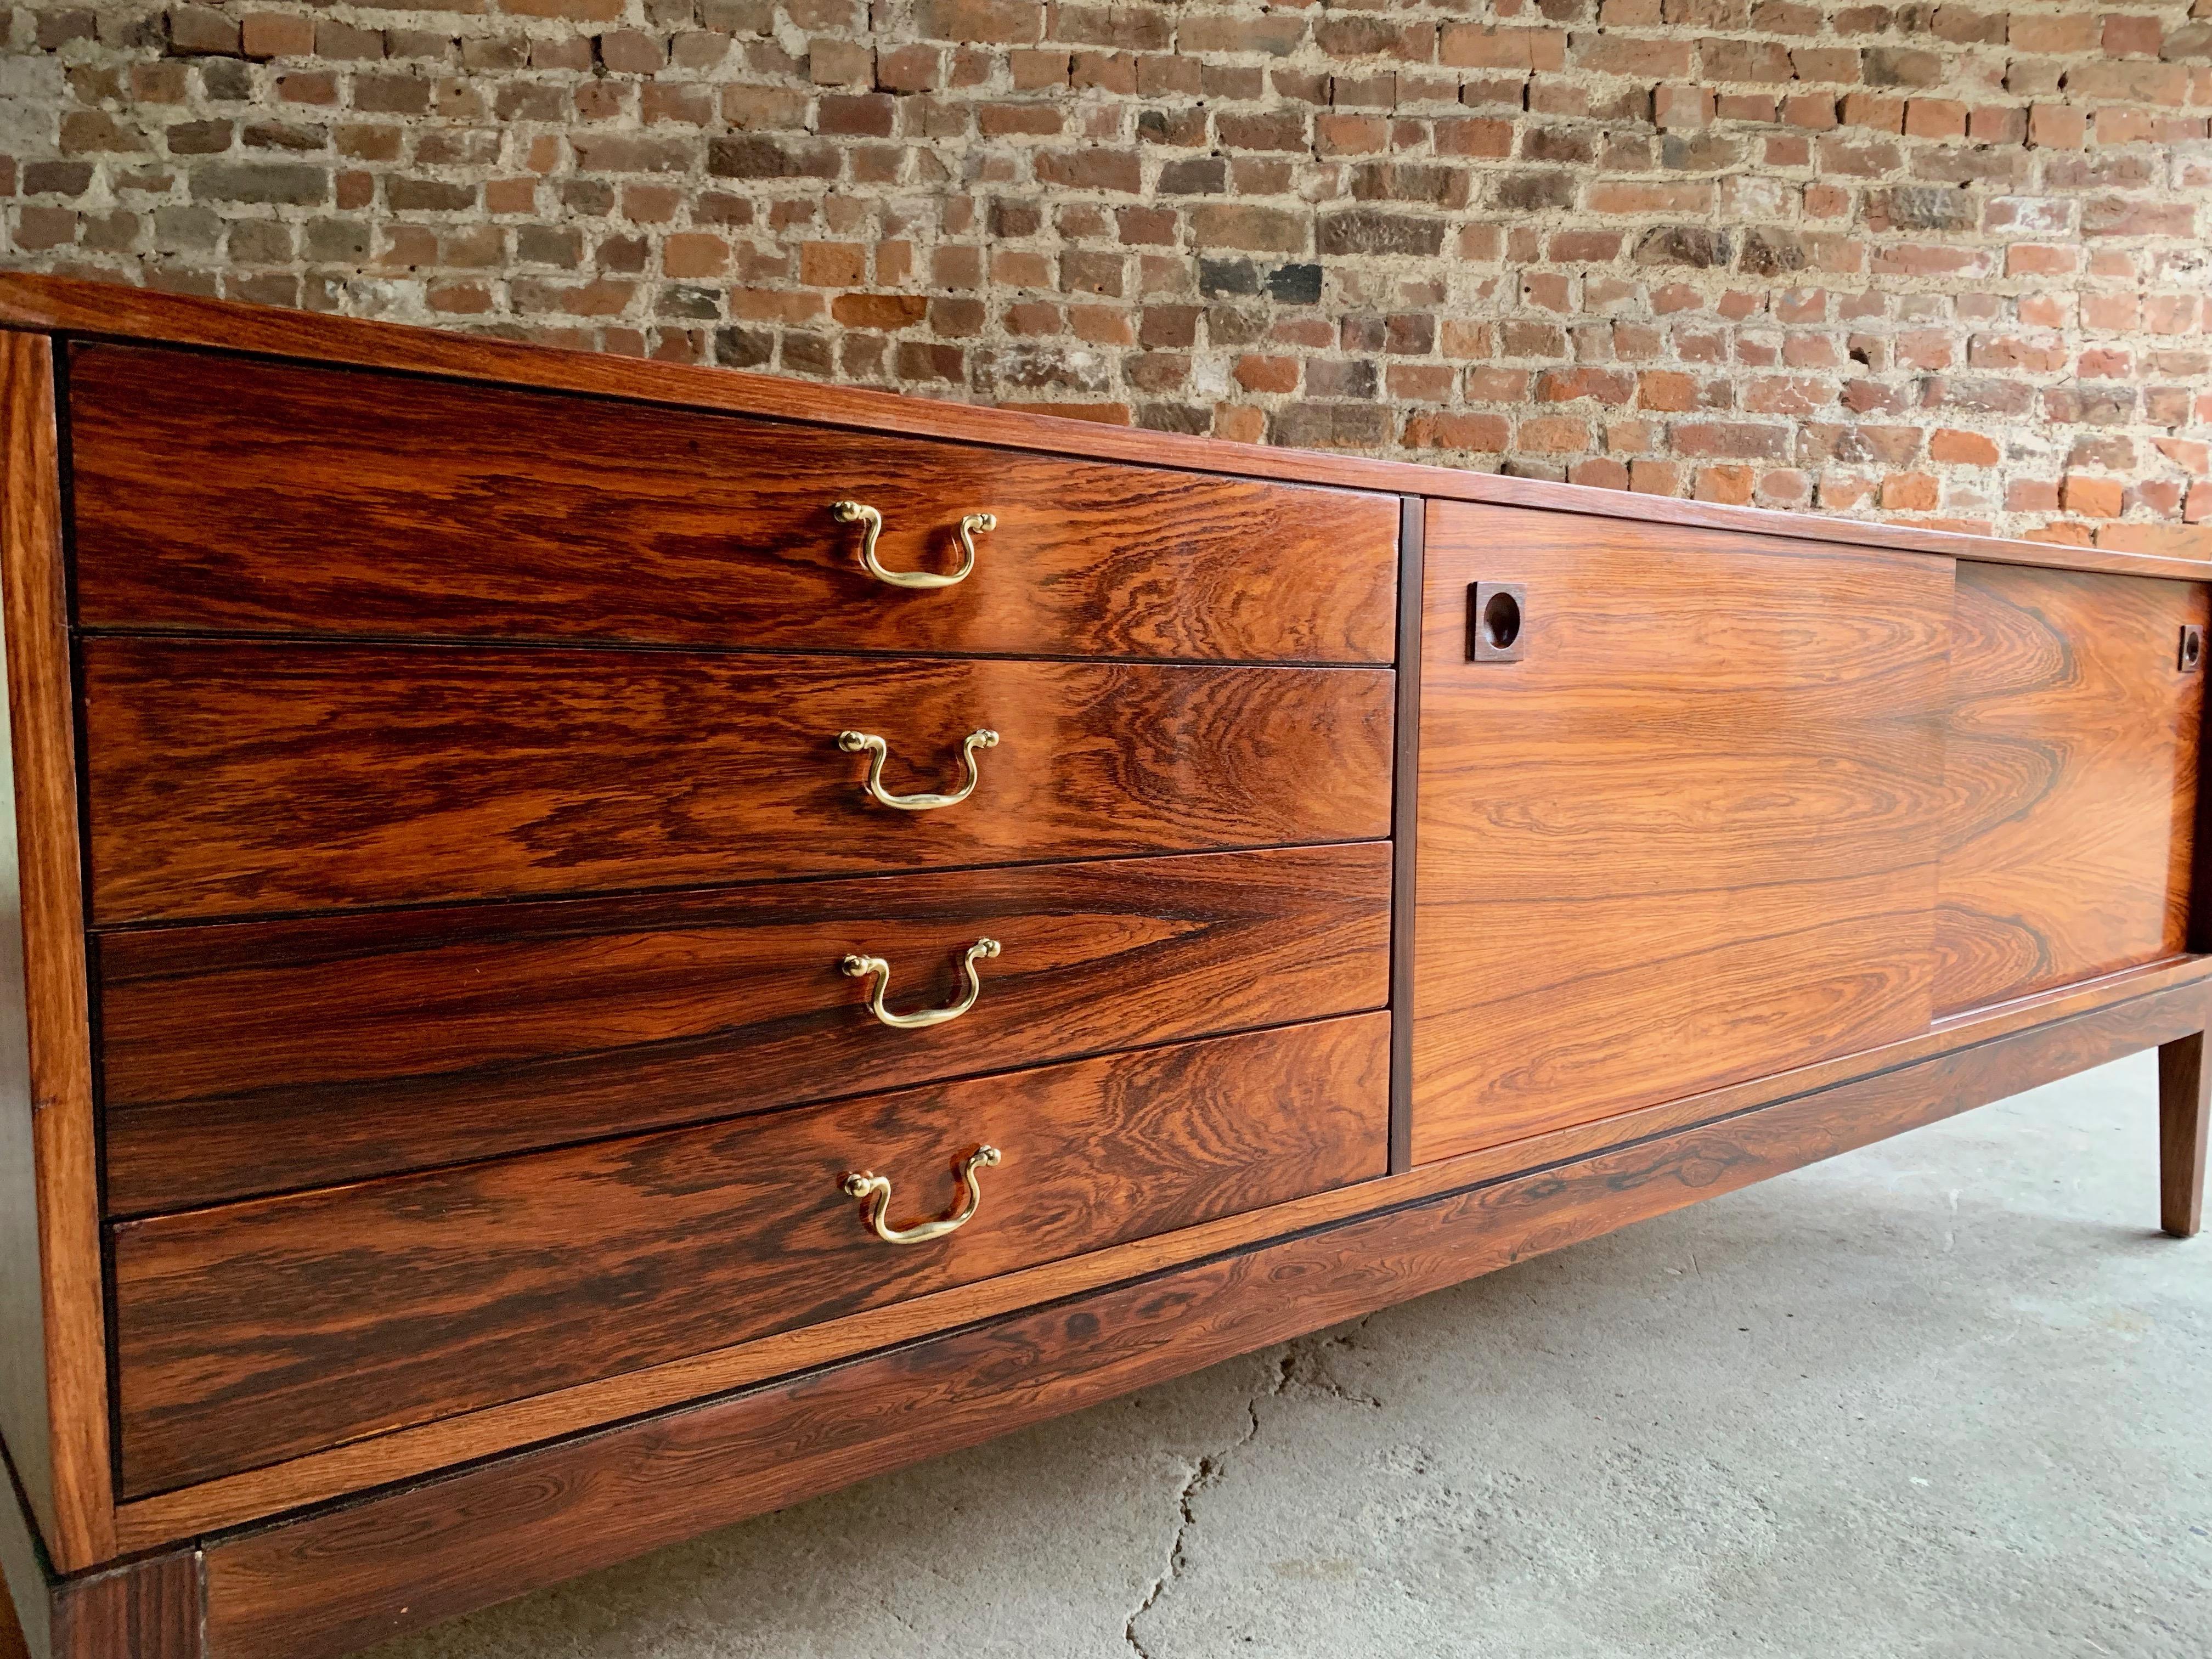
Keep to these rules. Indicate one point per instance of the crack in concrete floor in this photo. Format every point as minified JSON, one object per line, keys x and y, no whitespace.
{"x":1204,"y":1473}
{"x":1211,"y":1468}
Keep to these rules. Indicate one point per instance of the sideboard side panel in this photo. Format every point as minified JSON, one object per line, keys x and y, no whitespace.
{"x":1688,"y":836}
{"x":53,"y":1367}
{"x":2072,"y":751}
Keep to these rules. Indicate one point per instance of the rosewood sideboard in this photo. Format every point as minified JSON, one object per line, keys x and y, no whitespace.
{"x":605,"y":946}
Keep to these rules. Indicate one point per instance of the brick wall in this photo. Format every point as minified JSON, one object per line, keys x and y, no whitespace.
{"x":1942,"y":263}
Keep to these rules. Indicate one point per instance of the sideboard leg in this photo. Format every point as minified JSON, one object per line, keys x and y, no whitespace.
{"x":2184,"y":1115}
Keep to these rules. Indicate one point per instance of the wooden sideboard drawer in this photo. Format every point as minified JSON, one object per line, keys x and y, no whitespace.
{"x":251,"y":1332}
{"x":236,"y":778}
{"x":261,"y":1057}
{"x":224,"y":494}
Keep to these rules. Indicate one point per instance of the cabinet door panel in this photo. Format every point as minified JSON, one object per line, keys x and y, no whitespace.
{"x":2072,"y":756}
{"x":1690,"y":838}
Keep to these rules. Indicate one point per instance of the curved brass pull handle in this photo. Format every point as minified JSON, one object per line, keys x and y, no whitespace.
{"x":855,"y":742}
{"x":871,"y":525}
{"x":876,"y":1189}
{"x":863,"y":967}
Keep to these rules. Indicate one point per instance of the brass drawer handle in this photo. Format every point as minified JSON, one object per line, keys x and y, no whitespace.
{"x":855,"y":742}
{"x":871,"y":525}
{"x":876,"y":1189}
{"x":864,"y":967}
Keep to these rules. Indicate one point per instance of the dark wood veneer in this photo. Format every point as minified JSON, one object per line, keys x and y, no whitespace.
{"x":222,"y":494}
{"x":233,"y":778}
{"x":437,"y":1293}
{"x":262,"y":1056}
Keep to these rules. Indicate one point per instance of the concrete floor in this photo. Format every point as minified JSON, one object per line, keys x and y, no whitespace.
{"x":1944,"y":1396}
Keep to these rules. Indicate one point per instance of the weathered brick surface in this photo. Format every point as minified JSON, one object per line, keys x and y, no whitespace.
{"x":1944,"y":262}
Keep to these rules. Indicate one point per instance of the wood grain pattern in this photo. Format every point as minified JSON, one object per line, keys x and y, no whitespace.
{"x":264,"y":1056}
{"x":231,"y":778}
{"x":53,"y":1366}
{"x":2072,"y":756}
{"x":437,"y":1293}
{"x":149,"y":1610}
{"x":153,"y":1521}
{"x":407,"y":1559}
{"x":217,"y":493}
{"x":2185,"y":1127}
{"x":103,"y":310}
{"x":1690,"y":839}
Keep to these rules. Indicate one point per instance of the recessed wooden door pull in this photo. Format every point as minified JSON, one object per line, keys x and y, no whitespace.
{"x":858,"y":967}
{"x":858,"y":743}
{"x":871,"y":525}
{"x":876,"y":1189}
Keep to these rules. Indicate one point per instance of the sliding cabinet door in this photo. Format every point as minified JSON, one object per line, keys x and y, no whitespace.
{"x":2072,"y":754}
{"x":1682,"y":808}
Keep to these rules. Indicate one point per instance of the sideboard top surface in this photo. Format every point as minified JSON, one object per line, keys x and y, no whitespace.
{"x":69,"y":306}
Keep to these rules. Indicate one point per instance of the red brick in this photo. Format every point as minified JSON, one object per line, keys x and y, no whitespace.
{"x":878,"y":311}
{"x":1009,"y":121}
{"x":2186,"y":452}
{"x":1473,"y":136}
{"x":1782,"y":394}
{"x":1954,"y":447}
{"x":1459,"y":430}
{"x":2075,"y":30}
{"x":1935,"y":118}
{"x":2089,"y":498}
{"x":1469,"y":46}
{"x":1641,"y":57}
{"x":1731,"y":484}
{"x":911,"y":69}
{"x":1256,"y":373}
{"x":998,"y":22}
{"x":1610,"y":386}
{"x":1909,"y":492}
{"x":1551,"y":435}
{"x":276,"y":34}
{"x":201,"y":30}
{"x":1674,"y":107}
{"x":2131,"y":35}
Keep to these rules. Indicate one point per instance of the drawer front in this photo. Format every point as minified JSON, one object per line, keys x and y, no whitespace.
{"x":214,"y":493}
{"x":251,"y":1332}
{"x":237,"y":778}
{"x":263,"y":1057}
